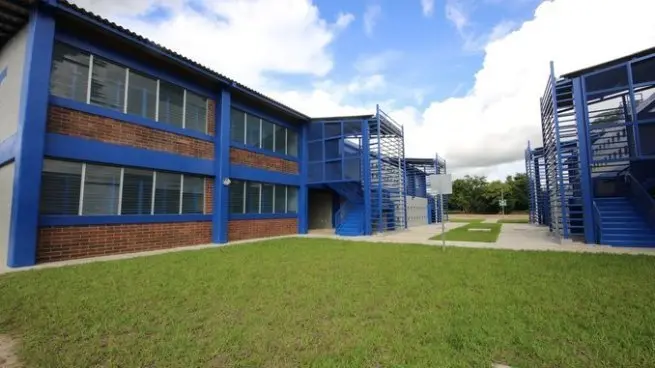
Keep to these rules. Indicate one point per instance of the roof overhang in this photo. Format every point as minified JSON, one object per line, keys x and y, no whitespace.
{"x":14,"y":14}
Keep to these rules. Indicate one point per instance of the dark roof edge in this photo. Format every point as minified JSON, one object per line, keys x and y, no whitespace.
{"x":93,"y":18}
{"x":610,"y":63}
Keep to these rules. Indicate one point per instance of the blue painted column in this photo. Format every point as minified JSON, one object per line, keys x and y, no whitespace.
{"x":366,"y":179}
{"x":580,"y":104}
{"x":30,"y":140}
{"x":222,"y":168}
{"x":303,"y":190}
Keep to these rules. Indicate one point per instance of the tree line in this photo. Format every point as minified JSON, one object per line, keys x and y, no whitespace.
{"x":475,"y":194}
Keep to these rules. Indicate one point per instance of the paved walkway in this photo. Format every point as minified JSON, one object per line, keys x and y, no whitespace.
{"x":512,"y":237}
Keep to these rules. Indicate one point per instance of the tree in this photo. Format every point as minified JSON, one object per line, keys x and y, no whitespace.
{"x":474,"y":194}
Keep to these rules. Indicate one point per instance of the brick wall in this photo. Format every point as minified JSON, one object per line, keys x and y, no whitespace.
{"x":60,"y":243}
{"x":209,"y":195}
{"x":252,"y":229}
{"x":262,"y":161}
{"x":211,"y":117}
{"x":79,"y":124}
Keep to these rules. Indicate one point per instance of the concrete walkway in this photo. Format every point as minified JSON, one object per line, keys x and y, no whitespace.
{"x":512,"y":237}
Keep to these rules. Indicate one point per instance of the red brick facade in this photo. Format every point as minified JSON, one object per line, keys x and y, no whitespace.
{"x":209,"y":195}
{"x":261,"y":161}
{"x":59,"y":243}
{"x":80,"y":124}
{"x":252,"y":229}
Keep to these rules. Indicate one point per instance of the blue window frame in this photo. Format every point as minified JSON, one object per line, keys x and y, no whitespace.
{"x":76,"y":188}
{"x":84,"y":77}
{"x":253,"y":131}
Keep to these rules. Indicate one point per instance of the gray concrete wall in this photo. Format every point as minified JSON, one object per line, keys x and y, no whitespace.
{"x":12,"y":60}
{"x":320,"y":209}
{"x":6,"y":193}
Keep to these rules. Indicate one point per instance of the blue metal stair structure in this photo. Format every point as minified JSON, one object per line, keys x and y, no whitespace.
{"x":350,"y":219}
{"x":622,"y":225}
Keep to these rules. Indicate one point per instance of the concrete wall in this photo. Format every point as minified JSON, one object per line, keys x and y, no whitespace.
{"x":417,"y":211}
{"x":6,"y":193}
{"x":12,"y":59}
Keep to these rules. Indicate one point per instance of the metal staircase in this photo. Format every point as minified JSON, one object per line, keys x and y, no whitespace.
{"x":621,"y":224}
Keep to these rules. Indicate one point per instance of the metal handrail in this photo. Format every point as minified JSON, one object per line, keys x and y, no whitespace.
{"x":640,"y":197}
{"x":597,"y":222}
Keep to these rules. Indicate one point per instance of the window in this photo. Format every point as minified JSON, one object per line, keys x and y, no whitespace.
{"x":101,"y":190}
{"x":292,"y":199}
{"x":167,"y":193}
{"x":280,"y":199}
{"x":70,"y":73}
{"x":280,"y":140}
{"x":252,"y":131}
{"x":237,"y":196}
{"x":268,"y":139}
{"x":137,"y":192}
{"x":237,"y":126}
{"x":108,"y":85}
{"x":142,"y":96}
{"x":292,"y":143}
{"x":193,"y":190}
{"x":60,"y":187}
{"x":253,"y":191}
{"x":267,"y":198}
{"x":195,"y":117}
{"x":262,"y":198}
{"x":87,"y":78}
{"x":171,"y":100}
{"x":110,"y":190}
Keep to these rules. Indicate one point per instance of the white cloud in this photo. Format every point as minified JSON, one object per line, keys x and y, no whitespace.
{"x":456,"y":13}
{"x":371,"y":17}
{"x":428,"y":7}
{"x":242,"y":39}
{"x":374,"y":63}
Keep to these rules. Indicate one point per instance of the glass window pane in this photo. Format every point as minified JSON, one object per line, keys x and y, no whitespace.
{"x":267,"y":135}
{"x":237,"y":126}
{"x":267,"y":198}
{"x":252,"y":197}
{"x":193,"y":195}
{"x":108,"y":84}
{"x":137,"y":192}
{"x":60,"y":187}
{"x":167,"y":193}
{"x":280,"y":199}
{"x":237,"y":193}
{"x":280,"y":139}
{"x":292,"y":199}
{"x":70,"y":73}
{"x":171,"y":99}
{"x":196,"y":112}
{"x":142,"y":96}
{"x":101,"y":190}
{"x":609,"y":79}
{"x":292,"y":143}
{"x":252,"y":132}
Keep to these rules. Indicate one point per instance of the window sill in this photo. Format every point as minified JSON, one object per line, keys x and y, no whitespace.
{"x":53,"y":220}
{"x":127,"y":118}
{"x":261,"y":216}
{"x":264,"y":152}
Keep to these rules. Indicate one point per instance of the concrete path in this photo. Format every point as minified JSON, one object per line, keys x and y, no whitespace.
{"x":512,"y":237}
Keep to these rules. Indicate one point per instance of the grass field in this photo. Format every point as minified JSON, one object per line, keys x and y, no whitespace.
{"x":462,"y":233}
{"x":514,"y":221}
{"x":327,"y":303}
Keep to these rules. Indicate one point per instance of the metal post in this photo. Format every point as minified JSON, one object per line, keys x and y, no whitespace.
{"x":443,"y":222}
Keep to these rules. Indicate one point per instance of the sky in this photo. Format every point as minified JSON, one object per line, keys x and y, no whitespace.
{"x":464,"y":77}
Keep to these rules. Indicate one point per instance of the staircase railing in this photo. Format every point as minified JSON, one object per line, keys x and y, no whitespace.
{"x":339,"y":216}
{"x":597,"y":222}
{"x":644,"y":203}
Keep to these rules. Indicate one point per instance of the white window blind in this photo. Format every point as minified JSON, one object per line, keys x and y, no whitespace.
{"x":60,"y":187}
{"x":167,"y":193}
{"x":101,"y":190}
{"x":108,"y":85}
{"x":192,"y":194}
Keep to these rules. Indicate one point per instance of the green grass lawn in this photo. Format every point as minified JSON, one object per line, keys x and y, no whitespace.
{"x":514,"y":221}
{"x":465,"y":220}
{"x":462,"y":233}
{"x":325,"y":303}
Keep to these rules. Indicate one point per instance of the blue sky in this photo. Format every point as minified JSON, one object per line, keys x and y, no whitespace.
{"x":464,"y":78}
